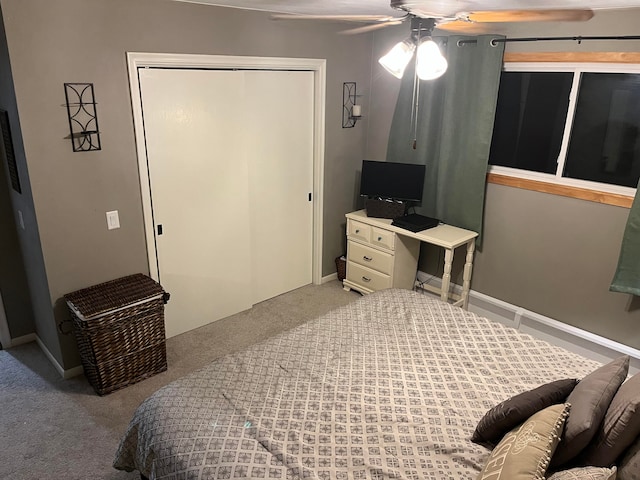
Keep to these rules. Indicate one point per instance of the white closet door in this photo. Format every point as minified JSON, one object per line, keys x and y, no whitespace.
{"x":198,"y":179}
{"x":278,"y":129}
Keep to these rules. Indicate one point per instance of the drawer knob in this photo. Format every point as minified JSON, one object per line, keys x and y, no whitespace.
{"x":379,"y":238}
{"x":357,"y":230}
{"x":368,"y":259}
{"x":366,"y":279}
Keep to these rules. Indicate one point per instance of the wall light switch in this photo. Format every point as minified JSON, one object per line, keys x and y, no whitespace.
{"x":113,"y":221}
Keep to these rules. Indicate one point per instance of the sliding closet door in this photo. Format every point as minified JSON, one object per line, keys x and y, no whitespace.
{"x":279,"y":141}
{"x":199,"y":190}
{"x":230,"y":162}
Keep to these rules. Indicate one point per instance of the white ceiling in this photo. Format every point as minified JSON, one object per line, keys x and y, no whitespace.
{"x":437,"y":7}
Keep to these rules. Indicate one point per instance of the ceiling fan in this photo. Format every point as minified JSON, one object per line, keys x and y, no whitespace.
{"x":426,"y":15}
{"x":446,"y":16}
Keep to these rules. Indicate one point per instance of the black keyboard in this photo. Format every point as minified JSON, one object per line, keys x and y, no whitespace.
{"x":415,"y":222}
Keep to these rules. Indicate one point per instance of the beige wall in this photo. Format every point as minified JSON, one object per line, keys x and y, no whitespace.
{"x":556,"y":256}
{"x":13,"y":286}
{"x":22,"y":278}
{"x":565,"y":276}
{"x":85,"y":41}
{"x":14,"y":290}
{"x":552,"y":255}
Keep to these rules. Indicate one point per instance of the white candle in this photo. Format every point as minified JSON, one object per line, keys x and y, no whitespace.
{"x":356,"y":111}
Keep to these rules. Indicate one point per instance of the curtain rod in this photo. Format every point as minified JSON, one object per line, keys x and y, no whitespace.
{"x":541,"y":39}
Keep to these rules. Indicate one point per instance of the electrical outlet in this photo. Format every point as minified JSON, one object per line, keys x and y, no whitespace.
{"x":113,"y":221}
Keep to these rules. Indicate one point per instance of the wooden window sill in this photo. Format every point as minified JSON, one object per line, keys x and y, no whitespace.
{"x":553,"y":188}
{"x":573,"y":57}
{"x":562,"y":190}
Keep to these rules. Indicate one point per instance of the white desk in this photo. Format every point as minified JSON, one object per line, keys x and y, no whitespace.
{"x":380,"y":255}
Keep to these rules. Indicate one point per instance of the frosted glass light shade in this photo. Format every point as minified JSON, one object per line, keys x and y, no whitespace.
{"x":430,"y":63}
{"x":398,"y":58}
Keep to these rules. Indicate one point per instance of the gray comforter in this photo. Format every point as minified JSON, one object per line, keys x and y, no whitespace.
{"x":390,"y":386}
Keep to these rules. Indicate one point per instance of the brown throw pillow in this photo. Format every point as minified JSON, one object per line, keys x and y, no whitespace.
{"x":589,"y":403}
{"x":524,"y":452}
{"x":515,"y":410}
{"x":620,"y":428}
{"x":629,"y":465}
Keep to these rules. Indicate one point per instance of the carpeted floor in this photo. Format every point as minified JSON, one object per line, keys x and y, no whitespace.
{"x":52,"y":428}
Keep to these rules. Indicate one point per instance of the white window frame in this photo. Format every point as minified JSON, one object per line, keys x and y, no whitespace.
{"x":557,"y":178}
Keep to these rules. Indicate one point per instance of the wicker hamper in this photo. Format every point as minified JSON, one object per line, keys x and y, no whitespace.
{"x":341,"y":267}
{"x":119,"y":327}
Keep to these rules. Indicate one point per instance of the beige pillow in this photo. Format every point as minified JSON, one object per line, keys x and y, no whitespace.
{"x":621,"y":426}
{"x":524,"y":453}
{"x":629,"y":465}
{"x":589,"y":403}
{"x":585,"y":473}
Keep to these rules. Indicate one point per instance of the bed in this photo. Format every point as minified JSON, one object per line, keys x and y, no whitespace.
{"x":389,"y":386}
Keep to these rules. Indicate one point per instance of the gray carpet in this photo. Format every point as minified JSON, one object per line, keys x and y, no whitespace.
{"x":52,"y":428}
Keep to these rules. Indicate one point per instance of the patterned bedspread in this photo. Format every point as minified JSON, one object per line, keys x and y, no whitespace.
{"x":390,"y":386}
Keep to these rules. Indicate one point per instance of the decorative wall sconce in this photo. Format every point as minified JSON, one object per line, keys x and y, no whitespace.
{"x":351,"y":110}
{"x":83,"y":119}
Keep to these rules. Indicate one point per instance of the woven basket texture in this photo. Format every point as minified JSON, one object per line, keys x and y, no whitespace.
{"x":107,"y":296}
{"x":119,"y":327}
{"x":383,"y":209}
{"x":341,"y":268}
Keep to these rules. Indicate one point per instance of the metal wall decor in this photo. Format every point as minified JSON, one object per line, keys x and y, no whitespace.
{"x":351,"y":112}
{"x":83,"y":119}
{"x":5,"y":131}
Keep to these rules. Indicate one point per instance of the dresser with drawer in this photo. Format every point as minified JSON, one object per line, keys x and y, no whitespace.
{"x":377,"y":257}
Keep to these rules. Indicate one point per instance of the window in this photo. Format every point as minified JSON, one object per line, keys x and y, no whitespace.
{"x":530,"y":119}
{"x":604,"y":143}
{"x":573,"y":124}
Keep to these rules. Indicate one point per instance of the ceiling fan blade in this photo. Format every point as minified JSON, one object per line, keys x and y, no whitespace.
{"x":565,"y":15}
{"x":463,"y":27}
{"x":370,"y":28}
{"x":335,"y":18}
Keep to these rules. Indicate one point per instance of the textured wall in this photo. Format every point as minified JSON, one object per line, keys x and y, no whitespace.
{"x":22,"y":279}
{"x":85,"y":41}
{"x":552,"y":255}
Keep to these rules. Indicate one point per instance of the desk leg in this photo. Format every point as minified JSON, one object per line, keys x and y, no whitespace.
{"x":466,"y":275}
{"x":446,"y":275}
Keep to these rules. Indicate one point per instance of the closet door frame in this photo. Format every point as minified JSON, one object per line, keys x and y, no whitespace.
{"x":138,"y":60}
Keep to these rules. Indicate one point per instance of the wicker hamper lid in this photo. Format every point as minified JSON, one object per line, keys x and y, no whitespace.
{"x":114,"y":294}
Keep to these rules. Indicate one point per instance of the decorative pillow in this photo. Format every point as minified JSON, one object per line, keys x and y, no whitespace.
{"x":589,"y":402}
{"x":585,"y":473}
{"x":524,"y":453}
{"x":620,"y":428}
{"x":515,"y":410}
{"x":629,"y":465}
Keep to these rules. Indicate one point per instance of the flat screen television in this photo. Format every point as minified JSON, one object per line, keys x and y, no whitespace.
{"x":390,"y":180}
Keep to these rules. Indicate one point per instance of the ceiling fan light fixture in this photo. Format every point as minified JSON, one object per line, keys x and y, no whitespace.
{"x":396,"y":61}
{"x":430,"y":63}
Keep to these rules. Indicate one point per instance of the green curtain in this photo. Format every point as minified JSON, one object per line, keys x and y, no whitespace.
{"x":627,"y":276}
{"x":454,"y":127}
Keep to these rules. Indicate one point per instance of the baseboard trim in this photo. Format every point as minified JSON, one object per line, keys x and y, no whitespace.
{"x":330,"y":278}
{"x":572,"y":338}
{"x":50,"y":356}
{"x":33,"y":337}
{"x":66,"y":374}
{"x":73,"y":372}
{"x":14,"y":342}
